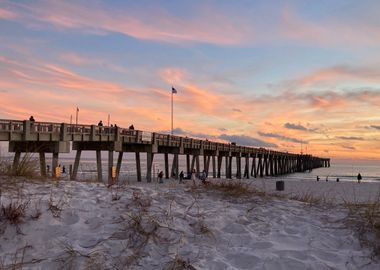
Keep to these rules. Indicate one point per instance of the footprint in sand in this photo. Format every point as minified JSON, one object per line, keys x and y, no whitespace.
{"x":242,"y":260}
{"x":70,"y":218}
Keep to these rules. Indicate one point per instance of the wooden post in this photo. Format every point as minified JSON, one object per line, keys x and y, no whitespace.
{"x":174,"y":171}
{"x":227,"y":159}
{"x":246,"y":170}
{"x":16,"y":160}
{"x":138,"y":166}
{"x":42,"y":164}
{"x":54,"y":163}
{"x":230,"y":167}
{"x":192,"y":163}
{"x":76,"y":165}
{"x":220,"y":160}
{"x":207,"y":164}
{"x":238,"y":167}
{"x":110,"y":165}
{"x":197,"y":163}
{"x":213,"y":167}
{"x":118,"y":165}
{"x":149,"y":162}
{"x":166,"y":157}
{"x":188,"y":164}
{"x":99,"y":165}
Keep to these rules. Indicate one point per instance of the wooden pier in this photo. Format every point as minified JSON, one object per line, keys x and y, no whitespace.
{"x":45,"y":137}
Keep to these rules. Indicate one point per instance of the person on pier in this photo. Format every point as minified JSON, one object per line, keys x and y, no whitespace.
{"x":100,"y":124}
{"x":131,"y":127}
{"x":31,"y":118}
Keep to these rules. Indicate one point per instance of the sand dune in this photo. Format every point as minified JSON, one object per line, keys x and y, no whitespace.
{"x":152,"y":226}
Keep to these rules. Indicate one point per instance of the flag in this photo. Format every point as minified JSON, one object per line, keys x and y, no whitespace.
{"x":174,"y":91}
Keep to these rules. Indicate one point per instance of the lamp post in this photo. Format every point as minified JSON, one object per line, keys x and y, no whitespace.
{"x":174,"y":91}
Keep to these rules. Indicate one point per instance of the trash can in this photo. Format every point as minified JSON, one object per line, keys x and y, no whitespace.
{"x":280,"y":185}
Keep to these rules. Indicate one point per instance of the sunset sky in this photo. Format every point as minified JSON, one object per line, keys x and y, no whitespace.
{"x":276,"y":74}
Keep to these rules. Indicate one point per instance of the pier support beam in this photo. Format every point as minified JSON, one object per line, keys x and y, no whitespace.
{"x":76,"y":165}
{"x":246,"y":168}
{"x":118,"y":165}
{"x":220,"y":160}
{"x":149,"y":162}
{"x":99,"y":165}
{"x":110,"y":165}
{"x":42,"y":164}
{"x":54,"y":162}
{"x":166,"y":157}
{"x":188,"y":164}
{"x":213,"y":167}
{"x":238,"y":167}
{"x":174,"y":171}
{"x":138,"y":166}
{"x":16,"y":160}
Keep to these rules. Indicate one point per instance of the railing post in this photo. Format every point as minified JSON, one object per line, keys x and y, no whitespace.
{"x":63,"y":132}
{"x":26,"y":131}
{"x":92,"y":133}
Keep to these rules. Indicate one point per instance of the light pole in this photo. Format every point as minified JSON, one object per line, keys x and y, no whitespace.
{"x":174,"y":91}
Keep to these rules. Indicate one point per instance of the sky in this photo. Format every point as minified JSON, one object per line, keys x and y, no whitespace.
{"x":287,"y":75}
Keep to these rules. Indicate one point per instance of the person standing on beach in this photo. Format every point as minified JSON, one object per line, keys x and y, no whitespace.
{"x":181,"y":177}
{"x":359,"y":178}
{"x":193,"y":176}
{"x":160,"y":176}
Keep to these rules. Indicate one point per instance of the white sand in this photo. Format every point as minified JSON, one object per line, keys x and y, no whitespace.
{"x":338,"y":192}
{"x":206,"y":230}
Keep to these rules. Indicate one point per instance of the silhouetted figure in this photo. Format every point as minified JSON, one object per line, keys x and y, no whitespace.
{"x":359,"y":177}
{"x":115,"y":126}
{"x":100,"y":124}
{"x":317,"y":178}
{"x":48,"y":168}
{"x":181,"y":175}
{"x":111,"y":126}
{"x":131,"y":127}
{"x":31,"y":118}
{"x":327,"y":178}
{"x":160,"y":176}
{"x":63,"y":169}
{"x":337,"y":179}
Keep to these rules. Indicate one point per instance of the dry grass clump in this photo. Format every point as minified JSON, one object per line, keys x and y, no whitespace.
{"x":56,"y":207}
{"x":16,"y":261}
{"x":233,"y":188}
{"x":14,"y":212}
{"x":309,"y":198}
{"x":365,"y":218}
{"x":27,"y":167}
{"x":179,"y":263}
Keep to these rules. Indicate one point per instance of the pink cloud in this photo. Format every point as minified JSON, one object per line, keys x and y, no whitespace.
{"x":152,"y":24}
{"x":6,"y":14}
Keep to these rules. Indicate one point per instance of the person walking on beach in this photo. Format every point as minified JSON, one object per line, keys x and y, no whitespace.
{"x":181,"y":177}
{"x":359,"y":178}
{"x":317,"y":178}
{"x":160,"y":176}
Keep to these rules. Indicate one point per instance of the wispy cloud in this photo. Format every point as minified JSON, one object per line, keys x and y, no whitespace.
{"x":247,"y":140}
{"x":280,"y":137}
{"x":350,"y":138}
{"x":151,"y":23}
{"x":295,"y":126}
{"x":375,"y":126}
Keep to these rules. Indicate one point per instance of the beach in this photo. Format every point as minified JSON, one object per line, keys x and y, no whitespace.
{"x":79,"y":225}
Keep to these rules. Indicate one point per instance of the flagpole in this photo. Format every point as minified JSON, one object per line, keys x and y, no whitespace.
{"x":172,"y":112}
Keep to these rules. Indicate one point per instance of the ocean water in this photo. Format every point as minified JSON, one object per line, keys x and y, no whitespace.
{"x":87,"y":168}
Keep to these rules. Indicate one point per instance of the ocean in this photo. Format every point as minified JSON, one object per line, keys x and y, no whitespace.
{"x":342,"y":170}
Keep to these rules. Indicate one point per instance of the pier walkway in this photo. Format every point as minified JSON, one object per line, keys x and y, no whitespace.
{"x":45,"y":137}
